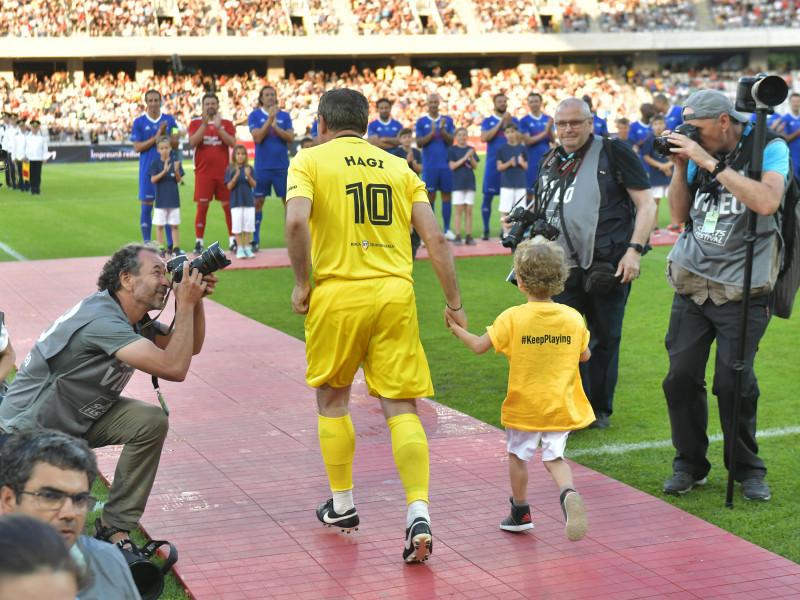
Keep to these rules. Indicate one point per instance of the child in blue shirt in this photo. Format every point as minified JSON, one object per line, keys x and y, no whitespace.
{"x":512,"y":162}
{"x":660,"y":168}
{"x":463,"y":162}
{"x":166,"y":174}
{"x":240,"y":181}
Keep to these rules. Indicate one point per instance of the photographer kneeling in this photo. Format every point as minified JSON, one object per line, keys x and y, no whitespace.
{"x":603,"y":224}
{"x":73,"y":376}
{"x":706,"y":269}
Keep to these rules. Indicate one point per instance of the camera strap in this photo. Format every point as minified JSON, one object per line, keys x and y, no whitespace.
{"x":562,"y":171}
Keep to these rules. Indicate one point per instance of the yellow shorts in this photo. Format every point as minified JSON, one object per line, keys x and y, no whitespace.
{"x":372,"y":323}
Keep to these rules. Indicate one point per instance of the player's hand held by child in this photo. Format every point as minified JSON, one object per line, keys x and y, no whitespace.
{"x":455,"y":317}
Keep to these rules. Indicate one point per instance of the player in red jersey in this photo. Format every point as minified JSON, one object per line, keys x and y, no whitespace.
{"x":211,"y":137}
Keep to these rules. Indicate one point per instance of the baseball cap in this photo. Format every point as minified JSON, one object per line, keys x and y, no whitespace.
{"x":709,"y":104}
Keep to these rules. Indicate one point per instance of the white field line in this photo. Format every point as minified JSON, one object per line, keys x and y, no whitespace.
{"x":11,"y":252}
{"x":626,"y":448}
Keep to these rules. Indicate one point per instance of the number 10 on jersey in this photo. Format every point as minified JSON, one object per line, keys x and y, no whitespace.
{"x":376,"y":204}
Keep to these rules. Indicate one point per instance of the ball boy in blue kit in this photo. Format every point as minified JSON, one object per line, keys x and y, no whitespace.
{"x":544,"y":341}
{"x":463,"y":161}
{"x":166,"y":174}
{"x":512,"y":162}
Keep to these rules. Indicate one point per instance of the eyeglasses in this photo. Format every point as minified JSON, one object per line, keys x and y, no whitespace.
{"x":52,"y":499}
{"x":572,"y":124}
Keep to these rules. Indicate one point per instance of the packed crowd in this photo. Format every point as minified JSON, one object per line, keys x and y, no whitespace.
{"x":385,"y":18}
{"x":636,"y":15}
{"x":126,"y":18}
{"x":322,"y":19}
{"x":451,"y":22}
{"x":731,"y":14}
{"x":103,"y":106}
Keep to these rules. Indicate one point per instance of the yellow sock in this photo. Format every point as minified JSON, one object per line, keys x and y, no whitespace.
{"x":410,"y":449}
{"x":337,"y":440}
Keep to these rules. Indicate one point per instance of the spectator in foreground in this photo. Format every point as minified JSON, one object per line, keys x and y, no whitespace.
{"x":36,"y":562}
{"x":49,"y":475}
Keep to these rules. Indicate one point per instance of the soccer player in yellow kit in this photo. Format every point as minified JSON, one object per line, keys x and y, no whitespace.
{"x":350,"y":207}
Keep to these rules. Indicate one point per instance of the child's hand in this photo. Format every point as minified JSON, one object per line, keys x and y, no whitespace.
{"x":513,"y":161}
{"x":166,"y":166}
{"x":247,"y":171}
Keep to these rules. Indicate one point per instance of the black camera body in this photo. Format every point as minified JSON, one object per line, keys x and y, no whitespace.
{"x":761,"y":91}
{"x":5,"y":158}
{"x":662,"y":146}
{"x":522,"y":219}
{"x":209,"y":261}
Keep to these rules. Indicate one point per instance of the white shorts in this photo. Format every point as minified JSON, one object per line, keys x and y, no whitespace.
{"x":463,"y":197}
{"x":523,"y":444}
{"x":508,"y":196}
{"x":243,"y":218}
{"x":659,"y":191}
{"x":167,"y":216}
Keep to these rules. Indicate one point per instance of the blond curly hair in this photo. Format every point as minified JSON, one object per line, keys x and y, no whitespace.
{"x":541,"y":267}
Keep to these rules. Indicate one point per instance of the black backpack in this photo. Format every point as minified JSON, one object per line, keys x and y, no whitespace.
{"x":789,"y":276}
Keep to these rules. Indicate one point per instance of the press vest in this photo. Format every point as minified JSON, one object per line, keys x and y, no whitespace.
{"x":717,"y":251}
{"x":598,"y":216}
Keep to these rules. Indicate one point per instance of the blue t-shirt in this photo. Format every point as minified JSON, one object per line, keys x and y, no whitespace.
{"x":628,"y":141}
{"x":599,"y":126}
{"x":534,"y":126}
{"x":390,"y":129}
{"x":398,"y":151}
{"x":791,"y":123}
{"x":434,"y":154}
{"x":497,"y":142}
{"x":463,"y":176}
{"x":512,"y":177}
{"x":142,"y":130}
{"x":314,"y":132}
{"x":657,"y":176}
{"x":167,"y":195}
{"x":673,"y":118}
{"x":273,"y":151}
{"x":639,"y":132}
{"x":776,"y":158}
{"x":242,"y":193}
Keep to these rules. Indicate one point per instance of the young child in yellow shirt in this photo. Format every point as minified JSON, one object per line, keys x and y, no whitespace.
{"x":544,"y":341}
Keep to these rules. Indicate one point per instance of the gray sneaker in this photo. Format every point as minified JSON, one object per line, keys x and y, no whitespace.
{"x":457,"y":241}
{"x":681,"y":483}
{"x":755,"y":489}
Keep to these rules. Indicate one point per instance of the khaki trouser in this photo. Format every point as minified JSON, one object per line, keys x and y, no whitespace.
{"x":141,"y":428}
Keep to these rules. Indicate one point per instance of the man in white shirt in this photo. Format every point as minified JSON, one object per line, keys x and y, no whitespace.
{"x":36,"y":153}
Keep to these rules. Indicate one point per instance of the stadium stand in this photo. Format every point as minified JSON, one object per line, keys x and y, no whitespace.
{"x":395,"y":17}
{"x":191,"y":18}
{"x":105,"y":105}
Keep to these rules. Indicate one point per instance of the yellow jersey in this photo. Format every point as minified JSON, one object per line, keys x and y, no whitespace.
{"x":361,"y":198}
{"x":543,"y":342}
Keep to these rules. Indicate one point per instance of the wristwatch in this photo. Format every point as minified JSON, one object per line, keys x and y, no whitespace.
{"x":638,"y":247}
{"x":721,"y":166}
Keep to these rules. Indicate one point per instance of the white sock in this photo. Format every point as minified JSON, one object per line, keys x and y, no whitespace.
{"x":343,"y":501}
{"x":418,"y":508}
{"x":200,"y":241}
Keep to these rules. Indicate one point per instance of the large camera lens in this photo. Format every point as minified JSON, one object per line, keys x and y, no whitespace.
{"x":209,"y":261}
